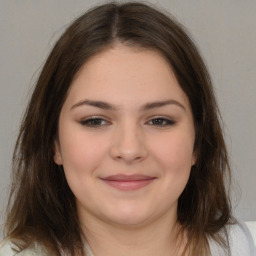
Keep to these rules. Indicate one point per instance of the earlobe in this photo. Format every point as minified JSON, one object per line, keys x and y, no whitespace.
{"x":194,"y":159}
{"x":57,"y":155}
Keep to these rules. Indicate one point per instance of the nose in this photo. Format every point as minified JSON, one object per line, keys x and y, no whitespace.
{"x":128,"y":144}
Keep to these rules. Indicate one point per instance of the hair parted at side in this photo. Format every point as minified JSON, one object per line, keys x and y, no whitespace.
{"x":41,"y":206}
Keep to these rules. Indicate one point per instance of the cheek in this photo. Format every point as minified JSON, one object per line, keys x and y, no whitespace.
{"x":81,"y":157}
{"x":174,"y":152}
{"x":175,"y":158}
{"x":81,"y":153}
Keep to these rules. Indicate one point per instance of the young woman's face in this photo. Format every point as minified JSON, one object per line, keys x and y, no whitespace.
{"x":126,"y":138}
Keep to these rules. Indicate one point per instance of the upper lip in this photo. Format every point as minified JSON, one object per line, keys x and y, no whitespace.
{"x":124,"y":177}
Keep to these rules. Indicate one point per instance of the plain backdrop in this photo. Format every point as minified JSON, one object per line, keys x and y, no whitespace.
{"x":225,"y":32}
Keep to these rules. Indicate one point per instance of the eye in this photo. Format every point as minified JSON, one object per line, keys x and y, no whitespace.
{"x":160,"y":121}
{"x":95,"y":122}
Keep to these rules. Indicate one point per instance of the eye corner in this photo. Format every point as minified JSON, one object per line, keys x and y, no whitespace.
{"x":95,"y":122}
{"x":161,"y":121}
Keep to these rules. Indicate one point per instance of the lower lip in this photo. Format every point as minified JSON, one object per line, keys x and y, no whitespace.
{"x":128,"y":185}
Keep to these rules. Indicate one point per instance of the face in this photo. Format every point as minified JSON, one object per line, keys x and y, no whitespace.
{"x":126,"y":138}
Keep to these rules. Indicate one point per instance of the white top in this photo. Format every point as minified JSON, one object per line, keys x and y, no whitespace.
{"x":241,"y":244}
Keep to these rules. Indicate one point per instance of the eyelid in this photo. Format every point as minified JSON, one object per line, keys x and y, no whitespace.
{"x":169,"y":121}
{"x":164,"y":121}
{"x":85,"y":121}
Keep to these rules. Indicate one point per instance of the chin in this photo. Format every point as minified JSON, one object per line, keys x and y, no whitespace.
{"x":130,"y":222}
{"x":129,"y":217}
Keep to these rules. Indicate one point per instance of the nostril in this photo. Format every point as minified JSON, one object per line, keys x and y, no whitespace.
{"x":128,"y":155}
{"x":128,"y":143}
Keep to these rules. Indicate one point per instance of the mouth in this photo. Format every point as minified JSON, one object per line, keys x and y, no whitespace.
{"x":128,"y":182}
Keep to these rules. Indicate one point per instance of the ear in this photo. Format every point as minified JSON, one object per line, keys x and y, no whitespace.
{"x":57,"y":157}
{"x":194,"y":159}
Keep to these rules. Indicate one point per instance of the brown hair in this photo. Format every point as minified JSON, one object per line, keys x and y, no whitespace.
{"x":41,"y":205}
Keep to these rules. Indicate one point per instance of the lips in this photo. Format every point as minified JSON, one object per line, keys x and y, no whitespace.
{"x":128,"y":182}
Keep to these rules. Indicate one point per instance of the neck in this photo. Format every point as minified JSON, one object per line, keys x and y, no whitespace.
{"x":160,"y":237}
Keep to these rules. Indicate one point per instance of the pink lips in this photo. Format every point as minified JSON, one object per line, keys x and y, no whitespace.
{"x":128,"y":182}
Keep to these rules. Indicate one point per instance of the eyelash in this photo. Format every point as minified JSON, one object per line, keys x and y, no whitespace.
{"x":163,"y":122}
{"x":96,"y":122}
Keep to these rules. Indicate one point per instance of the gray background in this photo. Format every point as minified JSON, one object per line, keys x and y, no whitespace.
{"x":224,"y":30}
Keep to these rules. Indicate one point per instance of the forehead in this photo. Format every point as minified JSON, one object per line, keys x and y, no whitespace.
{"x":126,"y":72}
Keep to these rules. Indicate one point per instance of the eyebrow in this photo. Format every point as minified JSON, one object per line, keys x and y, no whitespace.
{"x":145,"y":107}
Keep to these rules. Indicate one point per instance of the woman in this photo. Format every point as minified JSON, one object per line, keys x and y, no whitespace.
{"x":120,"y":150}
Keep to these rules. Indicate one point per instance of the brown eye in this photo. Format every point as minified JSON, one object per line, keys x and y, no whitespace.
{"x":94,"y":122}
{"x":161,"y":122}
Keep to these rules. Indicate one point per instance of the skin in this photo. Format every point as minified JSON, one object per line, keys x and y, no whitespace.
{"x":156,"y":141}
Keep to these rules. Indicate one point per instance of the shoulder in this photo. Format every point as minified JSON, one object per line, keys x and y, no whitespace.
{"x":7,"y":248}
{"x":240,"y":241}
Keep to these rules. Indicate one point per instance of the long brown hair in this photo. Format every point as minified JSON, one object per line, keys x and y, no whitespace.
{"x":41,"y":205}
